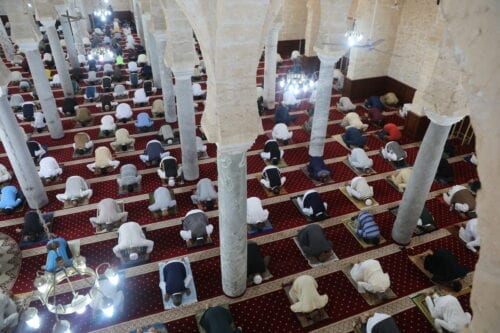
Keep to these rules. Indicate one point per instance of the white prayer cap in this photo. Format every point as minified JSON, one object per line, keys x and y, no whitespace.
{"x":257,"y":279}
{"x":134,"y":256}
{"x":368,"y":202}
{"x":171,"y":182}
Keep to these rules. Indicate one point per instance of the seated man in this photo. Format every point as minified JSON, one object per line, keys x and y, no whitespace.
{"x":444,"y":267}
{"x":218,"y":320}
{"x":10,"y":199}
{"x":129,"y":177}
{"x":108,"y":125}
{"x":367,"y":229}
{"x":311,"y":205}
{"x":304,"y":295}
{"x":378,"y":323}
{"x":166,"y":134}
{"x":58,"y":255}
{"x":169,"y":170}
{"x":374,"y":116}
{"x":123,"y":140}
{"x":353,"y":137}
{"x":444,"y":173}
{"x":352,"y":119}
{"x":468,"y":233}
{"x":123,"y":112}
{"x":176,"y":281}
{"x":390,"y":132}
{"x":374,"y":102}
{"x":460,"y":199}
{"x":345,"y":104}
{"x":256,"y":263}
{"x":271,"y":179}
{"x":153,"y":153}
{"x":163,"y":200}
{"x":77,"y":190}
{"x":272,"y":152}
{"x":281,"y":132}
{"x":143,"y":122}
{"x":4,"y":174}
{"x":8,"y":313}
{"x":103,"y":160}
{"x":49,"y":168}
{"x":83,"y":116}
{"x":205,"y":194}
{"x":370,"y":277}
{"x":37,"y":151}
{"x":360,"y":190}
{"x":33,"y":228}
{"x":358,"y":159}
{"x":195,"y":227}
{"x":108,"y":213}
{"x":130,"y":237}
{"x":282,"y":115}
{"x":447,"y":313}
{"x":401,"y":177}
{"x":394,"y":152}
{"x":82,"y":143}
{"x":314,"y":244}
{"x":256,"y":214}
{"x":318,"y":170}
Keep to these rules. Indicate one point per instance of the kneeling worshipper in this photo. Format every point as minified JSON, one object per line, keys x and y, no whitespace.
{"x":370,"y":277}
{"x":374,"y":102}
{"x":447,"y":312}
{"x":401,"y":177}
{"x":163,"y":200}
{"x":313,"y":242}
{"x":176,"y":281}
{"x":468,"y":233}
{"x":304,"y":295}
{"x":345,"y":104}
{"x":318,"y":170}
{"x":358,"y":159}
{"x":205,"y":194}
{"x":153,"y":153}
{"x":108,"y":125}
{"x":123,"y":140}
{"x":143,"y":123}
{"x":352,"y":119}
{"x":39,"y":123}
{"x":4,"y":174}
{"x":123,"y":112}
{"x":10,"y":199}
{"x":37,"y":151}
{"x":281,"y":132}
{"x":389,"y":99}
{"x":49,"y":168}
{"x":393,"y":152}
{"x":218,"y":320}
{"x":169,"y":170}
{"x":103,"y":161}
{"x":157,"y":109}
{"x":33,"y":228}
{"x":69,"y":106}
{"x":8,"y":313}
{"x":166,"y":134}
{"x":378,"y":323}
{"x":374,"y":116}
{"x":129,"y":177}
{"x":58,"y":255}
{"x":77,"y":190}
{"x":196,"y":228}
{"x":444,"y":173}
{"x":109,"y":213}
{"x":353,"y":137}
{"x":367,"y":228}
{"x":359,"y":189}
{"x":460,"y":199}
{"x":444,"y":267}
{"x":311,"y":205}
{"x":83,"y":117}
{"x":82,"y":143}
{"x":282,"y":115}
{"x":390,"y":132}
{"x":272,"y":152}
{"x":256,"y":263}
{"x":130,"y":238}
{"x":272,"y":179}
{"x":256,"y":214}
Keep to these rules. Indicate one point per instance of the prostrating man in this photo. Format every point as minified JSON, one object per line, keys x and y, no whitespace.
{"x":123,"y":140}
{"x":169,"y":170}
{"x":272,"y":179}
{"x":37,"y":150}
{"x":281,"y":132}
{"x":353,"y":137}
{"x":318,"y":170}
{"x":256,"y":263}
{"x":195,"y":227}
{"x":176,"y":281}
{"x":345,"y":104}
{"x":367,"y":228}
{"x":49,"y":168}
{"x":460,"y":199}
{"x":374,"y":116}
{"x":304,"y":295}
{"x":256,"y":214}
{"x":360,"y":190}
{"x":218,"y":320}
{"x":370,"y":277}
{"x":313,"y":242}
{"x":272,"y":152}
{"x":163,"y":200}
{"x":33,"y":230}
{"x":312,"y":205}
{"x":444,"y":267}
{"x":444,"y":173}
{"x":108,"y":125}
{"x":374,"y":102}
{"x":103,"y":160}
{"x":401,"y":178}
{"x":57,"y":255}
{"x":4,"y":174}
{"x":205,"y":194}
{"x":69,"y":106}
{"x":131,"y":236}
{"x":394,"y":152}
{"x":358,"y":159}
{"x":352,"y":119}
{"x":10,"y":199}
{"x":82,"y":143}
{"x":378,"y":323}
{"x":282,"y":115}
{"x":77,"y":190}
{"x":468,"y":233}
{"x":447,"y":313}
{"x":129,"y":177}
{"x":109,"y":212}
{"x":390,"y":132}
{"x":153,"y":153}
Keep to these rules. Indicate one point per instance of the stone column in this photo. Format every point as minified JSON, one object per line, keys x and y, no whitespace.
{"x":8,"y":48}
{"x":19,"y":156}
{"x":424,"y":171}
{"x":45,"y":95}
{"x":167,"y":86}
{"x":70,"y":42}
{"x":57,"y":52}
{"x":85,"y":14}
{"x":138,"y":20}
{"x":145,"y":17}
{"x":154,"y":59}
{"x":270,"y":66}
{"x":322,"y":105}
{"x":232,"y":169}
{"x":187,"y":124}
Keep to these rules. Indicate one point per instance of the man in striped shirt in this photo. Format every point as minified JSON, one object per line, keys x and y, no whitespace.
{"x":367,"y":228}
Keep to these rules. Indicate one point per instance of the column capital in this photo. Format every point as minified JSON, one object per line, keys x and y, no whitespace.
{"x":182,"y":72}
{"x":329,"y":55}
{"x":441,"y":119}
{"x":233,"y":148}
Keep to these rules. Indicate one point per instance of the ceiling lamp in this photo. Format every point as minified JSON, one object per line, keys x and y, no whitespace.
{"x":101,"y":54}
{"x":353,"y":36}
{"x":296,"y":83}
{"x":102,"y":11}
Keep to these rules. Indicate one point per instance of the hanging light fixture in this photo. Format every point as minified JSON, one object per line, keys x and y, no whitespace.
{"x":102,"y":11}
{"x":353,"y":36}
{"x":297,"y":83}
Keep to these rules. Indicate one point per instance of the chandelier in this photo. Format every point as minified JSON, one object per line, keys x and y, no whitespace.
{"x":101,"y":53}
{"x":296,"y":83}
{"x":353,"y":36}
{"x":102,"y":12}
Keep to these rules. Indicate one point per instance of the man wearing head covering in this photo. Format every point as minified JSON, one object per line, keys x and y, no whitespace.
{"x":460,"y":199}
{"x":367,"y":228}
{"x":49,"y":168}
{"x":256,"y":263}
{"x":401,"y":178}
{"x":123,"y":140}
{"x":447,"y":312}
{"x":256,"y":214}
{"x":393,"y":152}
{"x":370,"y":277}
{"x":312,"y":205}
{"x":57,"y":254}
{"x":205,"y":193}
{"x":163,"y":200}
{"x":305,"y":296}
{"x":109,"y":213}
{"x":10,"y":199}
{"x":82,"y":143}
{"x":358,"y":159}
{"x":353,"y":137}
{"x":103,"y":160}
{"x":389,"y":99}
{"x":272,"y":178}
{"x":129,"y":177}
{"x":314,"y":243}
{"x":318,"y":170}
{"x":131,"y":235}
{"x":76,"y":189}
{"x":281,"y":132}
{"x":153,"y":153}
{"x":272,"y":152}
{"x":195,"y":226}
{"x":360,"y":189}
{"x":352,"y":119}
{"x":176,"y":281}
{"x":169,"y":170}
